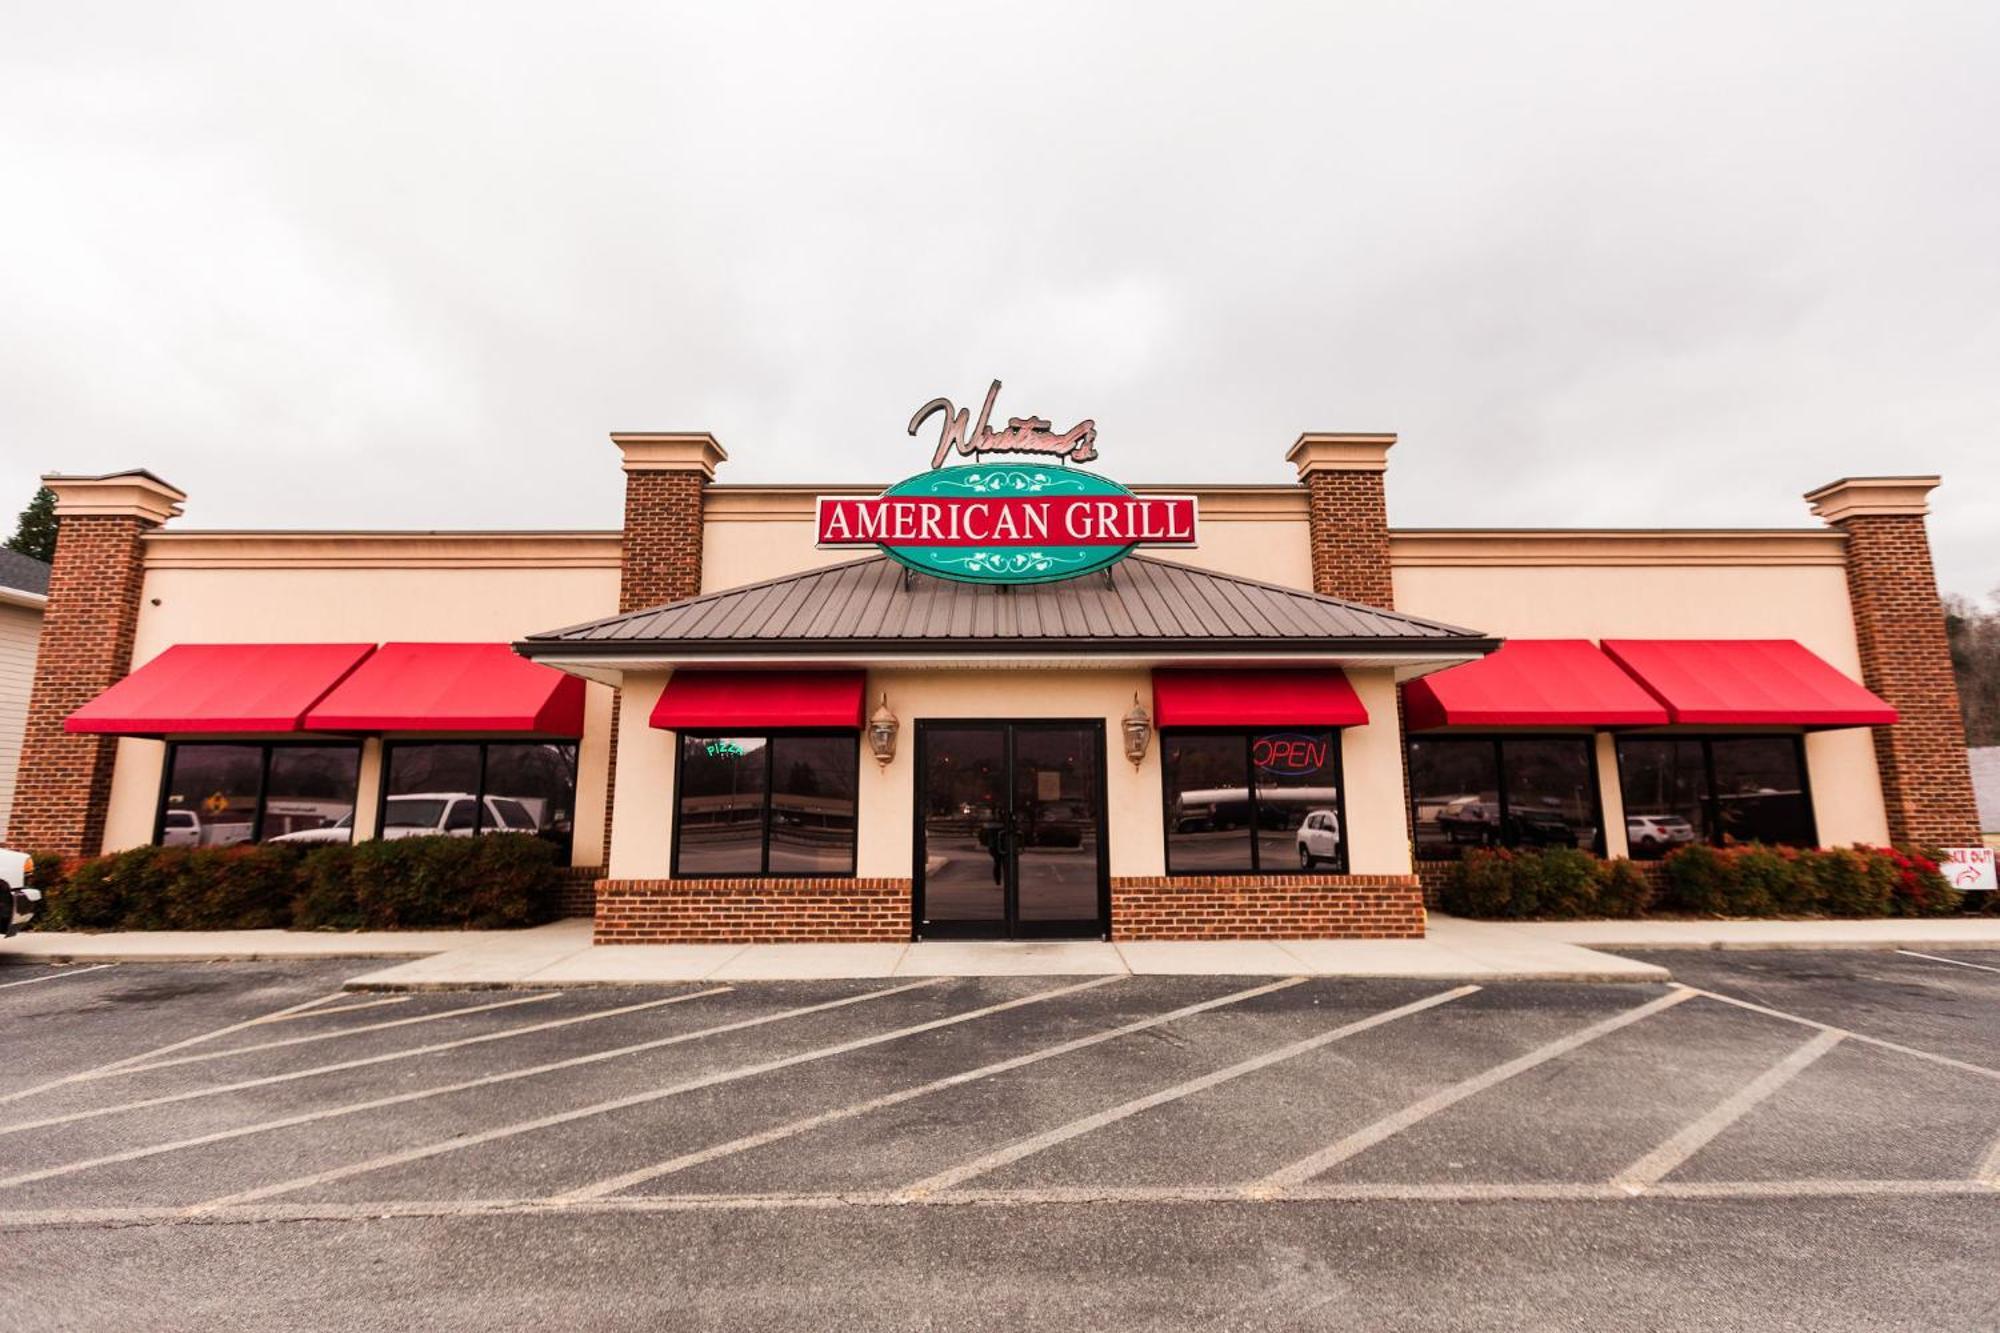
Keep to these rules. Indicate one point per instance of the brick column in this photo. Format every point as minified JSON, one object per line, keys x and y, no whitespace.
{"x":1905,"y":657}
{"x":64,"y":783}
{"x":660,"y":555}
{"x":1349,"y":514}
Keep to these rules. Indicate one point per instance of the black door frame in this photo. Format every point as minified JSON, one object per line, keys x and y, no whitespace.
{"x":1010,"y":926}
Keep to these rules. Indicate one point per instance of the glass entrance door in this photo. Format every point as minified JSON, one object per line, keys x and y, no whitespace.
{"x":1010,"y":835}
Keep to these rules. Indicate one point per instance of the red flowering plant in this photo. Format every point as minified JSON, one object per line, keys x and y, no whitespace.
{"x":1919,"y":888}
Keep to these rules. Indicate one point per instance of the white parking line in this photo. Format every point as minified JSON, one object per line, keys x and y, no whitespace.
{"x":1059,"y":1196}
{"x":355,"y":1031}
{"x":1955,"y":962}
{"x":1988,"y":1170}
{"x":614,"y":1184}
{"x":338,"y":1009}
{"x":1388,"y":1126}
{"x":1027,"y":1147}
{"x":1945,"y":1060}
{"x":354,"y":1108}
{"x":642,"y":1098}
{"x":361,"y":1063}
{"x":1663,"y":1160}
{"x":58,"y":976}
{"x":182,"y":1044}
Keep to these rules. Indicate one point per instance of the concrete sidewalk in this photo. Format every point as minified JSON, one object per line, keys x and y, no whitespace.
{"x":561,"y":954}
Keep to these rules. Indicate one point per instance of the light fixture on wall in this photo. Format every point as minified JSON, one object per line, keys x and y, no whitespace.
{"x":1138,"y":729}
{"x":882,"y":733}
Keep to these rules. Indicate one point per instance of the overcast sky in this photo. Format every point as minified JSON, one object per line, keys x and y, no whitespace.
{"x":407,"y":265}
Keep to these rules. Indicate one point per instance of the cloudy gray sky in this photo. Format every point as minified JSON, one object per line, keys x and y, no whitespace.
{"x":405,"y":265}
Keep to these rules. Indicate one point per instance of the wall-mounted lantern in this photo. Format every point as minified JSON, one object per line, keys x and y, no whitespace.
{"x":882,"y":733}
{"x":1138,"y":728}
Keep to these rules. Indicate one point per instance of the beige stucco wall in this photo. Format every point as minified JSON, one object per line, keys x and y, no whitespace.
{"x":465,"y":588}
{"x":1806,"y":601}
{"x":20,"y":632}
{"x":886,"y":800}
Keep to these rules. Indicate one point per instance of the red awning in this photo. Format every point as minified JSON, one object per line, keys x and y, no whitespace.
{"x":1532,"y":683}
{"x":1256,"y":697}
{"x":220,"y":688}
{"x":1747,"y":682}
{"x":454,"y":687}
{"x":756,"y":700}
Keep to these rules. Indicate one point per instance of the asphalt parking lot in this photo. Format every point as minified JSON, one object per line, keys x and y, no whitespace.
{"x":1780,"y":1139}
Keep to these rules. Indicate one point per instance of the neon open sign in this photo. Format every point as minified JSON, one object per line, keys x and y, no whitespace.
{"x":1290,"y":752}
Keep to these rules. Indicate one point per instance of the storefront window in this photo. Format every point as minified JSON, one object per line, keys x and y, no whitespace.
{"x":1760,"y":791}
{"x":1513,"y":791}
{"x":758,"y":805}
{"x":1253,"y":802}
{"x":220,"y":795}
{"x":1722,"y":790}
{"x":468,"y":787}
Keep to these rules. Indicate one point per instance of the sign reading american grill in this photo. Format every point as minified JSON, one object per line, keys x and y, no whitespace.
{"x":1006,"y":522}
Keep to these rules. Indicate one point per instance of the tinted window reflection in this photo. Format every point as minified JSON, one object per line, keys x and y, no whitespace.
{"x":431,"y":789}
{"x":1551,"y":792}
{"x":720,"y":816}
{"x":1760,"y":791}
{"x":309,"y":795}
{"x":812,"y":805}
{"x":1208,"y":810}
{"x":1665,"y":784}
{"x":531,"y":788}
{"x":212,"y":793}
{"x":219,"y":795}
{"x":1454,"y":795}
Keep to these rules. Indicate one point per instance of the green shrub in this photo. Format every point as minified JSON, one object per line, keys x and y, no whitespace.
{"x":323,"y":897}
{"x":1762,"y":881}
{"x":1569,"y":882}
{"x":1497,"y":884}
{"x":1623,"y":889}
{"x":1697,"y":880}
{"x":1849,"y":881}
{"x":492,"y":882}
{"x":487,"y":883}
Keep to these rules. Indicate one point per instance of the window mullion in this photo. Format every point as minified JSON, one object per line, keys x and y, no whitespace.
{"x":770,"y":786}
{"x":1256,"y":805}
{"x":263,"y":791}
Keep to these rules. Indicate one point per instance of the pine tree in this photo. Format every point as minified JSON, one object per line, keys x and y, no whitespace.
{"x":35,"y":534}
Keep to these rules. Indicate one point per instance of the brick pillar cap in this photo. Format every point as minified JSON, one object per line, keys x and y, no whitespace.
{"x":1853,"y":497}
{"x":1320,"y":452}
{"x":133,"y":494}
{"x":669,"y":451}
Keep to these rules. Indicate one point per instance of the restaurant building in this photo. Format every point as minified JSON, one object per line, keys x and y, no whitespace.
{"x":1005,"y":697}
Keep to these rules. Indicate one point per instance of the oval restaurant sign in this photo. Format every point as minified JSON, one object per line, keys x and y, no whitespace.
{"x":1006,"y":522}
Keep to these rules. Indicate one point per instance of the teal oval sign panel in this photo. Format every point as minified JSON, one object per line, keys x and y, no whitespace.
{"x":1006,"y":522}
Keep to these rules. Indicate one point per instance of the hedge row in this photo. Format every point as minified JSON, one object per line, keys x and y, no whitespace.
{"x":484,"y":883}
{"x":1751,"y":880}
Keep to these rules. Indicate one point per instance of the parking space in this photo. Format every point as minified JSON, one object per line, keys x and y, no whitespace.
{"x":176,"y":1097}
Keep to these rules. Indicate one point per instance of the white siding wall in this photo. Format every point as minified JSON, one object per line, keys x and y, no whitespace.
{"x":20,"y":630}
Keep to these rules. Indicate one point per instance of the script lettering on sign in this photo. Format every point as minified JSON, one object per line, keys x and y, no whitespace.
{"x":1023,"y":435}
{"x":1006,"y":522}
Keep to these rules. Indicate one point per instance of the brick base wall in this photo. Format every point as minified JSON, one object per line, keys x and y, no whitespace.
{"x":578,"y":896}
{"x":752,"y":911}
{"x":1433,"y":875}
{"x":1246,"y":907}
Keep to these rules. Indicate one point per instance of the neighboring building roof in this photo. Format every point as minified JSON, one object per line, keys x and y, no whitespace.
{"x":1141,"y":604}
{"x":23,"y":573}
{"x":1986,"y":785}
